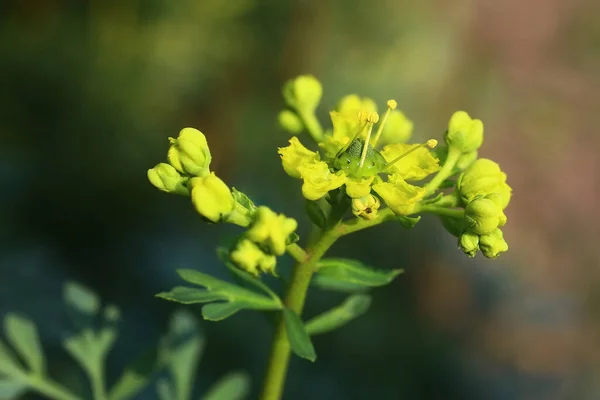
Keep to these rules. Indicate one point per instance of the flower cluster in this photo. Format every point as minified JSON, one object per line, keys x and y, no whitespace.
{"x":188,"y":173}
{"x":366,"y":159}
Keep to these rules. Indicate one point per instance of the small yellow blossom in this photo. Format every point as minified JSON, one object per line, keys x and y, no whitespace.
{"x":296,"y":155}
{"x":413,"y":167}
{"x":318,"y":179}
{"x":271,"y":230}
{"x":401,"y":197}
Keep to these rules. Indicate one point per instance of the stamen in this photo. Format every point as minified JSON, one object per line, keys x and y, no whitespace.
{"x":391,"y":106}
{"x":363,"y":155}
{"x":431,"y":143}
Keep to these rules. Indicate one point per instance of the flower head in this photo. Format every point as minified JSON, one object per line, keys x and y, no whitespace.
{"x":250,"y":258}
{"x":189,"y":153}
{"x":271,"y":230}
{"x":482,"y":178}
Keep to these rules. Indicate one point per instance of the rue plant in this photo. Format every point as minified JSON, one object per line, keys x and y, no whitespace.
{"x":356,"y":174}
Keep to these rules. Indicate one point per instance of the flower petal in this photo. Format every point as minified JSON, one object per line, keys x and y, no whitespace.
{"x":360,"y":187}
{"x":401,"y":197}
{"x":295,"y":155}
{"x":415,"y":166}
{"x":318,"y":179}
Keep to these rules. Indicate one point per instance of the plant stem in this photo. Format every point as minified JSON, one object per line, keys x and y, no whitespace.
{"x":312,"y":124}
{"x":296,"y":252}
{"x":443,"y":174}
{"x":50,"y":389}
{"x":294,"y":300}
{"x":442,"y":211}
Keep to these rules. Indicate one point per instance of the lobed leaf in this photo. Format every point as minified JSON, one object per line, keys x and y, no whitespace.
{"x":231,"y":298}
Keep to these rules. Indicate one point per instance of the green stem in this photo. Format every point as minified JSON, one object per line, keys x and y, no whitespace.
{"x":294,"y":300}
{"x":312,"y":124}
{"x":444,"y":173}
{"x":97,"y":380}
{"x":50,"y":389}
{"x":360,"y":224}
{"x":297,"y":252}
{"x":443,"y":211}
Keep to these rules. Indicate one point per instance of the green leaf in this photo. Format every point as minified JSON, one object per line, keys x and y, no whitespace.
{"x":135,"y":377}
{"x":9,"y":365}
{"x":81,"y":298}
{"x":188,"y":295}
{"x":298,"y":337}
{"x":12,"y":389}
{"x":235,"y":297}
{"x":219,"y":311}
{"x":246,"y":277}
{"x":183,"y":352}
{"x":333,"y":284}
{"x":347,"y":272}
{"x":243,"y":199}
{"x":89,"y":348}
{"x":233,"y":386}
{"x":353,"y":307}
{"x":292,"y":238}
{"x":23,"y":336}
{"x":408,"y":222}
{"x":165,"y":390}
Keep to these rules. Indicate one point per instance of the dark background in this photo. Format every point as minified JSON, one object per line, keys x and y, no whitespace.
{"x":90,"y":91}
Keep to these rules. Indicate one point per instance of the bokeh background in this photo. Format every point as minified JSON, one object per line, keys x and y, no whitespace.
{"x":90,"y":91}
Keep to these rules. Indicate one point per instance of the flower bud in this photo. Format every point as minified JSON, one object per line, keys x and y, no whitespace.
{"x":212,"y":197}
{"x":271,"y":230}
{"x":189,"y":153}
{"x":493,"y":244}
{"x":366,"y":207}
{"x":464,"y":133}
{"x":454,"y":226}
{"x":166,"y":178}
{"x":483,"y":215}
{"x":289,"y":121}
{"x":249,"y":257}
{"x":303,"y":93}
{"x":469,"y":243}
{"x":482,"y":178}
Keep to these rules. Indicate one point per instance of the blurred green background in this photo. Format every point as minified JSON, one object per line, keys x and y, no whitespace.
{"x":90,"y":91}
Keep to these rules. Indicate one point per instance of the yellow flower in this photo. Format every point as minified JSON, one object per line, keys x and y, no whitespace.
{"x":401,"y":197}
{"x":212,"y":197}
{"x":250,"y":258}
{"x":413,"y":167}
{"x":296,"y":155}
{"x":271,"y":230}
{"x":318,"y":179}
